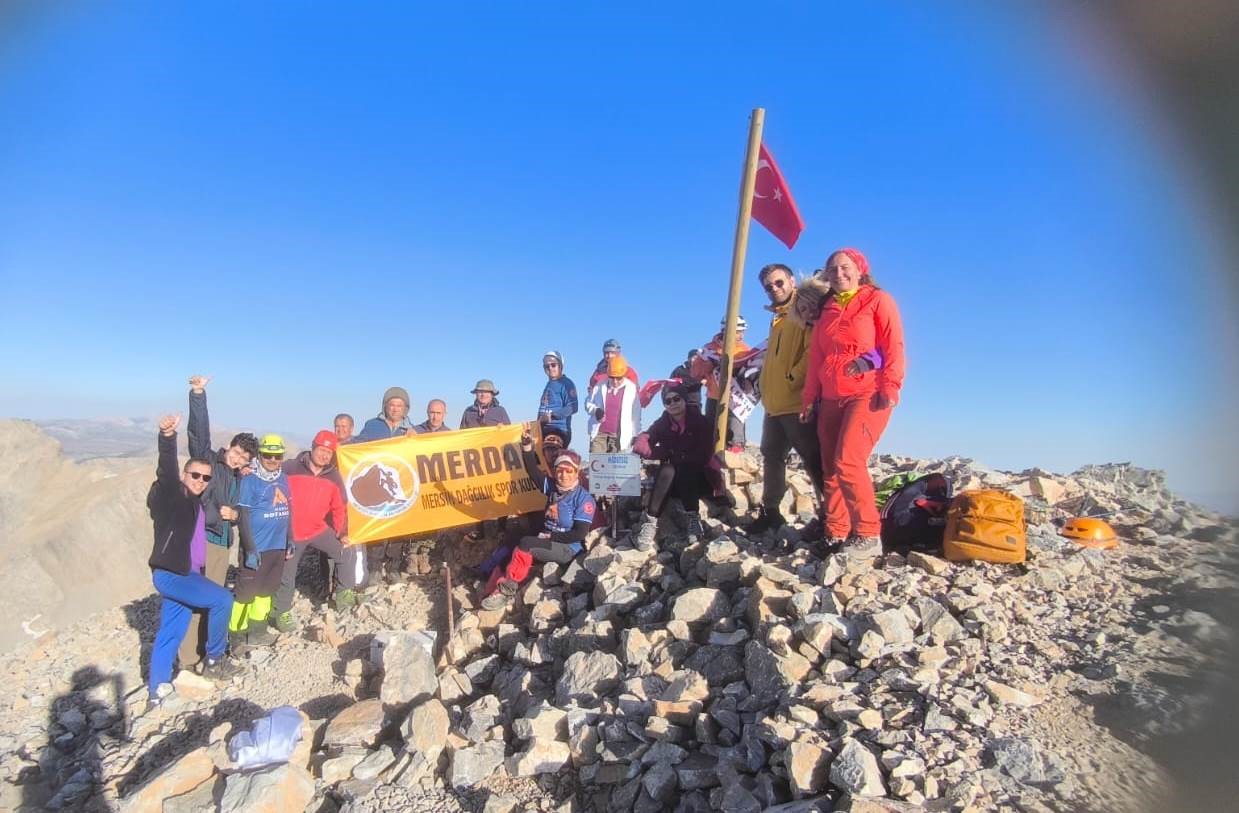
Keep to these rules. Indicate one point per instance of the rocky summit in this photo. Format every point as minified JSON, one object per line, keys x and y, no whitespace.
{"x":730,"y":674}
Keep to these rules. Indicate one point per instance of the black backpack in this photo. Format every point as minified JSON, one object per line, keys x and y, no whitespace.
{"x":914,"y":517}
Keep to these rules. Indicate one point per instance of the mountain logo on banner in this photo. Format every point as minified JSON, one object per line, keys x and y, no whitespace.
{"x":383,"y":486}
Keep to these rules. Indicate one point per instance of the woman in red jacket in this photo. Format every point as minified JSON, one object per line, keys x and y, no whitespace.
{"x":855,"y":371}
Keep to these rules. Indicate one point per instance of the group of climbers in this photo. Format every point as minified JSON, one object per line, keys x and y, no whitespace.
{"x":829,"y":375}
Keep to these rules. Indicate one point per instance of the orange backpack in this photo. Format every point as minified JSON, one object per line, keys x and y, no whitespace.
{"x":985,"y":524}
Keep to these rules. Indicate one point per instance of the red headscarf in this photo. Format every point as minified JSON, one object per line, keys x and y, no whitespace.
{"x":856,"y":257}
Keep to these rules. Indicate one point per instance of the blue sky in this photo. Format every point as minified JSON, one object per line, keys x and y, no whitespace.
{"x":313,"y":203}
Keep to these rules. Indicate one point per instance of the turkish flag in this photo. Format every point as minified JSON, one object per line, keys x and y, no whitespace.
{"x":773,"y":205}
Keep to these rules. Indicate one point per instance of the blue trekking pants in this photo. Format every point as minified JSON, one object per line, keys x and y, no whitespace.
{"x":181,"y":596}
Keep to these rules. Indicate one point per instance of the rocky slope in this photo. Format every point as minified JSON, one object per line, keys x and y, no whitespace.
{"x":74,"y":531}
{"x":721,"y":675}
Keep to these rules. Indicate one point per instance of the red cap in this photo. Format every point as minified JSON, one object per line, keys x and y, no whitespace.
{"x":327,"y":438}
{"x":859,"y":260}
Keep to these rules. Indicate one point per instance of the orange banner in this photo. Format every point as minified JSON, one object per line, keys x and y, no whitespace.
{"x":423,"y":483}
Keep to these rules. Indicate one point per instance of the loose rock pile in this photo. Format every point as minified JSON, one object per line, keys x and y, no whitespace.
{"x":722,"y":675}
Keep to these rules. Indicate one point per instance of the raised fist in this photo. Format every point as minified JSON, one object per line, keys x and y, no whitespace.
{"x":169,"y":423}
{"x":198,"y":383}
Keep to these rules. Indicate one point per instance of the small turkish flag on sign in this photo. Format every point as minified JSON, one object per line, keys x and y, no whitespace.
{"x":773,"y":206}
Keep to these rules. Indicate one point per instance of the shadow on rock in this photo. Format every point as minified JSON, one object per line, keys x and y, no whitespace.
{"x":81,"y":724}
{"x":188,"y":732}
{"x":327,"y":706}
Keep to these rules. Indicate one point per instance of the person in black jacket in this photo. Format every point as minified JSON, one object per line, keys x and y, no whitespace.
{"x":219,"y":503}
{"x":177,"y":560}
{"x":682,"y":440}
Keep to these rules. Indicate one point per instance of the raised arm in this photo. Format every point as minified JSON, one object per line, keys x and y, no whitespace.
{"x":199,"y":428}
{"x":167,"y":471}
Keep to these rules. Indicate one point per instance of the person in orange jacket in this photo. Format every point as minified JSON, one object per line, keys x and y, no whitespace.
{"x":852,"y":395}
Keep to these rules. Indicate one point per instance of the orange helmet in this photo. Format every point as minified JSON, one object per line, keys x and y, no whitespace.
{"x":1090,"y":533}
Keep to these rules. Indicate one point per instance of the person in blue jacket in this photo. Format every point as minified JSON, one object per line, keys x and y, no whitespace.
{"x":559,"y":398}
{"x":565,"y":524}
{"x":264,"y":508}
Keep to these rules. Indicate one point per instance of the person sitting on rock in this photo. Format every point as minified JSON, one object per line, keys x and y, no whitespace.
{"x":265,"y":523}
{"x":533,"y":521}
{"x":566,"y":521}
{"x":178,"y":558}
{"x":682,"y":440}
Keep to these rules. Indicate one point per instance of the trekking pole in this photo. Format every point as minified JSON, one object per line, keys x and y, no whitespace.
{"x":451,"y":613}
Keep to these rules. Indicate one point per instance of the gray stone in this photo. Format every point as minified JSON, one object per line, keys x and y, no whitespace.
{"x":587,"y":676}
{"x":938,"y":622}
{"x":1021,"y":759}
{"x":892,"y":625}
{"x":408,"y":670}
{"x":375,"y":763}
{"x":541,"y":756}
{"x":200,"y":798}
{"x":281,"y":787}
{"x":661,"y":783}
{"x":543,"y":722}
{"x":855,"y":770}
{"x":808,"y":767}
{"x":425,"y":729}
{"x":737,"y":799}
{"x":700,"y":605}
{"x":719,"y":665}
{"x":359,"y":724}
{"x":480,"y":717}
{"x":469,"y":766}
{"x":698,"y":771}
{"x":635,"y":647}
{"x":454,"y":686}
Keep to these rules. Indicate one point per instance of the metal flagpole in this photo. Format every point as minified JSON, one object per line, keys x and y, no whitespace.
{"x":739,"y":248}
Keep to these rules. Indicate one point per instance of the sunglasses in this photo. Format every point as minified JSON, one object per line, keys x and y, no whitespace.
{"x":778,"y":283}
{"x":266,"y":456}
{"x":674,"y":399}
{"x":549,"y":366}
{"x":197,"y":475}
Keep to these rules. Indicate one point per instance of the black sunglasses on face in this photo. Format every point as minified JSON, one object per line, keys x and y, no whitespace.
{"x":778,"y":283}
{"x":549,"y":366}
{"x":197,"y":475}
{"x":272,"y":456}
{"x":675,"y":399}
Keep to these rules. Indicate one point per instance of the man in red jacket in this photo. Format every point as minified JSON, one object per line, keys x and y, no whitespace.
{"x":320,"y":521}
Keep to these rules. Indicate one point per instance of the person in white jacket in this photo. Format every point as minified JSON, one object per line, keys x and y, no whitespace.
{"x":614,"y":410}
